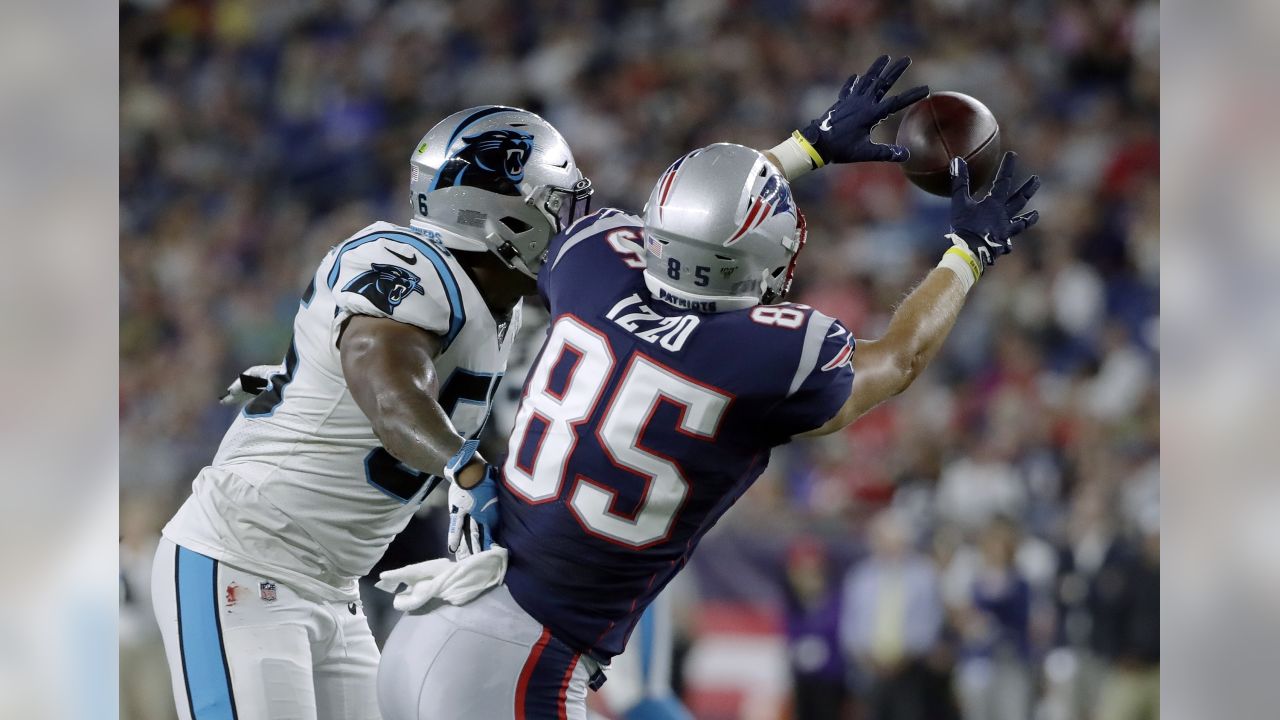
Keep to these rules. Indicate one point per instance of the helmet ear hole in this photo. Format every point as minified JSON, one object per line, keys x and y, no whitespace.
{"x":515,"y":225}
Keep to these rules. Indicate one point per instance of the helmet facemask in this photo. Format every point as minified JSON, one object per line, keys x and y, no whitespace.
{"x":563,"y":206}
{"x":521,"y":241}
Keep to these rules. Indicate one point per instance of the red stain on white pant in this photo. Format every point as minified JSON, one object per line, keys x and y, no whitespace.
{"x":232,"y":592}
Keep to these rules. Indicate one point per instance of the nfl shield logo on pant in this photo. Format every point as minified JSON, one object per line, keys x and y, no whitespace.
{"x":267,"y":591}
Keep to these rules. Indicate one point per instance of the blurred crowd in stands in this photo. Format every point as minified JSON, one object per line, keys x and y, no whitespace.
{"x":983,"y":547}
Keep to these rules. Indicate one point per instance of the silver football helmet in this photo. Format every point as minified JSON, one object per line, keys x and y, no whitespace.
{"x":722,"y":231}
{"x":496,"y":178}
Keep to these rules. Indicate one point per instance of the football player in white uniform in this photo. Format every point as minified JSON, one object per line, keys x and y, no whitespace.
{"x":399,"y":344}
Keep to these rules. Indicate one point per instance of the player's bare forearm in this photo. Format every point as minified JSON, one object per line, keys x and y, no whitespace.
{"x":885,"y":367}
{"x":923,"y":320}
{"x":390,"y":370}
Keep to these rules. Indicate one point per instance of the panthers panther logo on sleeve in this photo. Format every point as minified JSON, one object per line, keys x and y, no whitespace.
{"x":492,"y":160}
{"x":386,"y":286}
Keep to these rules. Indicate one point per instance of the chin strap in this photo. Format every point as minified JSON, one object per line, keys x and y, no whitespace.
{"x":509,"y":255}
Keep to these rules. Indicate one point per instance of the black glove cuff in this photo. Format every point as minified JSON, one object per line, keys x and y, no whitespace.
{"x":253,"y":384}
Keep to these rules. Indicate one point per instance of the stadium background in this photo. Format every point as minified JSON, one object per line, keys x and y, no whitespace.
{"x":1018,"y":479}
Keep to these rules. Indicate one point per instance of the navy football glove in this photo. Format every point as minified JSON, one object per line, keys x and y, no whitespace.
{"x":473,"y":515}
{"x":843,"y":134}
{"x":987,"y":227}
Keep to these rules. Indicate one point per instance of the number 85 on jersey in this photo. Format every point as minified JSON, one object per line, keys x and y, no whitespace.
{"x":558,"y":417}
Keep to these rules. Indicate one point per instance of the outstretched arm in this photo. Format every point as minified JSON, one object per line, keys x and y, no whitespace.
{"x":843,"y":133}
{"x":886,"y":366}
{"x":980,"y":231}
{"x":390,"y":370}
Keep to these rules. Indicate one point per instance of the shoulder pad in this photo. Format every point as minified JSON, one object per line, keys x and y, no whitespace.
{"x":395,"y":273}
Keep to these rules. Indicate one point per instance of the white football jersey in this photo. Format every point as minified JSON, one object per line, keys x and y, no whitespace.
{"x":300,"y":489}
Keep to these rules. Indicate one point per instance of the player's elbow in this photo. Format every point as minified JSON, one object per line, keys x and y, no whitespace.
{"x":388,"y":416}
{"x":893,"y":362}
{"x":395,"y":440}
{"x":882,"y":369}
{"x":907,"y":366}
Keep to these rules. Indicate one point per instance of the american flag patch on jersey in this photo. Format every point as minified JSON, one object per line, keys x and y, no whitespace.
{"x":267,"y":591}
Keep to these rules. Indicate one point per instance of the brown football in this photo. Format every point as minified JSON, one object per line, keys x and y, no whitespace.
{"x":946,"y":125}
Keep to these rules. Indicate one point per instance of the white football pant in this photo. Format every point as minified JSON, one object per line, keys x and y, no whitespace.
{"x":486,"y":660}
{"x":244,"y":647}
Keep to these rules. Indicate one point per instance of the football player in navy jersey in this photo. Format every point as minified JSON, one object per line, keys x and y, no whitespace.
{"x":670,"y":370}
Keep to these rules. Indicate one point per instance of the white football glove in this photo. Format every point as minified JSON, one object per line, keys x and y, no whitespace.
{"x":456,"y":583}
{"x":251,"y":382}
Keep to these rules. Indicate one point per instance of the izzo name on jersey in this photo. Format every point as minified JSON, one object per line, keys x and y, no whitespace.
{"x":634,"y":316}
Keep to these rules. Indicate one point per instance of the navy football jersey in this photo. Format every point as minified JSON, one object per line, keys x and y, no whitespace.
{"x":640,"y":425}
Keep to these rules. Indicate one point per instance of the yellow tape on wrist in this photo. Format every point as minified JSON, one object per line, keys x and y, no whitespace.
{"x":968,"y":259}
{"x":813,"y":154}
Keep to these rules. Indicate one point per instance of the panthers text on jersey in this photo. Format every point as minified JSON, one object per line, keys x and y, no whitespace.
{"x":640,"y":425}
{"x":300,"y":489}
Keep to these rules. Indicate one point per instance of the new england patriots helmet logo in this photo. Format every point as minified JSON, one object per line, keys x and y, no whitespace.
{"x":773,"y":198}
{"x":386,"y":286}
{"x":775,"y":192}
{"x":492,"y":160}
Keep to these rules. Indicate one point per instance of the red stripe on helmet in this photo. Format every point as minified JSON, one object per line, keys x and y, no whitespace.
{"x":667,"y":181}
{"x":746,"y":223}
{"x":768,"y":212}
{"x":666,"y":185}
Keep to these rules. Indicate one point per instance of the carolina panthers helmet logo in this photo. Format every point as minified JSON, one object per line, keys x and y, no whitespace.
{"x":492,"y":160}
{"x":386,"y":286}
